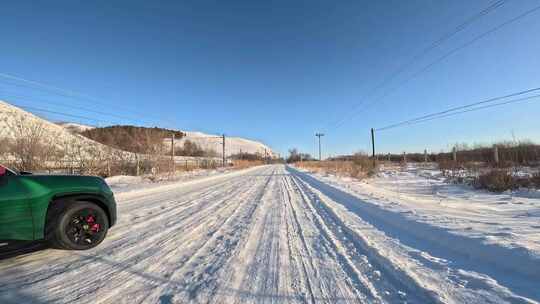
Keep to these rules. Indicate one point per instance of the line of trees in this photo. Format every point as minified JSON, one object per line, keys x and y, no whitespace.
{"x":190,"y":148}
{"x":296,"y":156}
{"x":131,"y":138}
{"x":510,"y":153}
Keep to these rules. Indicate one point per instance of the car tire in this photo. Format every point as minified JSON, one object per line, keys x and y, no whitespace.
{"x":76,"y":225}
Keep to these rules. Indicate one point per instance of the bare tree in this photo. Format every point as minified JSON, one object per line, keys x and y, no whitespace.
{"x":190,"y":149}
{"x":5,"y":148}
{"x":32,"y":145}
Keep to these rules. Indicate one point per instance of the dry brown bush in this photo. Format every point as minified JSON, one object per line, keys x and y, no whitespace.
{"x":4,"y":148}
{"x":359,"y":167}
{"x":32,"y":146}
{"x":496,"y":181}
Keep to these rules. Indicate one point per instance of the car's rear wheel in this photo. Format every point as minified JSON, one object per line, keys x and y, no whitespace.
{"x":79,"y":226}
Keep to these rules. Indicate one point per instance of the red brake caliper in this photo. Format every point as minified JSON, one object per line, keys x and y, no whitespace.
{"x":94,"y":227}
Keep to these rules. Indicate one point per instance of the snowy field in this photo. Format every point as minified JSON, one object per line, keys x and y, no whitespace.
{"x":273,"y":234}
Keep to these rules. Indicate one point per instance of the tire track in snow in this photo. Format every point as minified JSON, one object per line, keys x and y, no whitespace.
{"x":302,"y":274}
{"x":195,"y":237}
{"x":390,"y":285}
{"x":266,"y":269}
{"x":131,"y":247}
{"x":297,"y":244}
{"x":259,"y":254}
{"x":201,"y":272}
{"x":194,"y":224}
{"x":359,"y":283}
{"x":293,"y":239}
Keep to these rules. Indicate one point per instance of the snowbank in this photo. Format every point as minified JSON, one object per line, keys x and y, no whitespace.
{"x":488,"y":238}
{"x":124,"y":183}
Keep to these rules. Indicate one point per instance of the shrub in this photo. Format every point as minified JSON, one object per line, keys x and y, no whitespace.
{"x":535,"y":180}
{"x":496,"y":181}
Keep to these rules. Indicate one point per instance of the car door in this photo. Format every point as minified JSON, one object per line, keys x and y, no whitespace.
{"x":16,"y":221}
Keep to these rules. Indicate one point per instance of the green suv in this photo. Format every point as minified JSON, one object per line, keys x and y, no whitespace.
{"x":70,"y":212}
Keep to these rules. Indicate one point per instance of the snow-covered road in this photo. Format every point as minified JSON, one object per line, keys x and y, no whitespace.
{"x":264,"y":235}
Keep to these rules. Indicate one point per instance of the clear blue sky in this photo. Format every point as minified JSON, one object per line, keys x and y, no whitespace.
{"x":278,"y":71}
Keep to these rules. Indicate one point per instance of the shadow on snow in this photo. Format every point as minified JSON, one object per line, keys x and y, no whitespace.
{"x":514,"y":268}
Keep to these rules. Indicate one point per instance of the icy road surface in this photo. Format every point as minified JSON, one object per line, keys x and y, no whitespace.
{"x":263,"y":235}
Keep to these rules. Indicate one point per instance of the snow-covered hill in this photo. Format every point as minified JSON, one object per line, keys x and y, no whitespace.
{"x":17,"y":122}
{"x":74,"y":127}
{"x":233,"y":145}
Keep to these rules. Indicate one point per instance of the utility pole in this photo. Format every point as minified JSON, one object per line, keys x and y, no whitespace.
{"x":496,"y":154}
{"x":373,"y":147}
{"x":223,"y":150}
{"x":138,"y":163}
{"x":319,"y":136}
{"x":172,"y":153}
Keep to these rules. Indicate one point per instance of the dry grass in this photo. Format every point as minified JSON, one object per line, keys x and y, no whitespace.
{"x":359,"y":168}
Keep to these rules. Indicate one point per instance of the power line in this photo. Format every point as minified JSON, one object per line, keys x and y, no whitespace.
{"x":431,"y":47}
{"x":467,"y":106}
{"x":482,"y":107}
{"x":51,"y":89}
{"x":37,"y":109}
{"x":464,"y":109}
{"x":45,"y":86}
{"x":31,"y":98}
{"x":438,"y":60}
{"x":61,"y":113}
{"x":69,"y":94}
{"x":464,"y":25}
